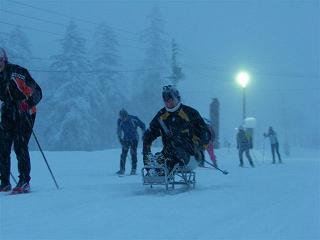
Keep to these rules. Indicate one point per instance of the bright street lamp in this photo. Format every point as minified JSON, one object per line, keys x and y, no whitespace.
{"x":243,"y":79}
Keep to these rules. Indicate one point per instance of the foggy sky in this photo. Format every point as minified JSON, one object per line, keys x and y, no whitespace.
{"x":277,"y":42}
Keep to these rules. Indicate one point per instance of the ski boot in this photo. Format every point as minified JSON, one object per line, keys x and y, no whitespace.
{"x":22,"y":187}
{"x":5,"y":187}
{"x":120,"y":172}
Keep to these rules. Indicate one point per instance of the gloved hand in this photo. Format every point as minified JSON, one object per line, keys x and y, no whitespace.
{"x":24,"y":106}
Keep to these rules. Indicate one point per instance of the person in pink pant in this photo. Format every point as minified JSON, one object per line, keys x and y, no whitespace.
{"x":210,"y":151}
{"x":210,"y":148}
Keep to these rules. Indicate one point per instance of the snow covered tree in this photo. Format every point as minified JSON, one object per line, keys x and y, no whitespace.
{"x":2,"y":40}
{"x":156,"y":67}
{"x":18,"y":47}
{"x":110,"y":83}
{"x":71,"y":118}
{"x":176,"y":70}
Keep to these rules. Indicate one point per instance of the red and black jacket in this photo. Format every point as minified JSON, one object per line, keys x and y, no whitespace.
{"x":17,"y":85}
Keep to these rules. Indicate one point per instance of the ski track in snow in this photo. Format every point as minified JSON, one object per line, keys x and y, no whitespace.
{"x":278,"y":201}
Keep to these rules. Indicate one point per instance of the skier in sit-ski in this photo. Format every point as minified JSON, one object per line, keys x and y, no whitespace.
{"x":181,"y":128}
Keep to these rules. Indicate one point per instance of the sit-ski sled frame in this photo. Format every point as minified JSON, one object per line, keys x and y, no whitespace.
{"x":159,"y":175}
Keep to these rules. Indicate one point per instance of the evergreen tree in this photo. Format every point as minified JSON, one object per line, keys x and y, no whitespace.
{"x":176,"y":70}
{"x":70,"y":106}
{"x":19,"y":48}
{"x":2,"y":41}
{"x":156,"y":65}
{"x":110,"y":82}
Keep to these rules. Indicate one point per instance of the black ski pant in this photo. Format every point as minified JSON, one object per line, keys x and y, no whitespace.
{"x":126,"y":145}
{"x":18,"y":134}
{"x":247,"y":152}
{"x":275,"y":148}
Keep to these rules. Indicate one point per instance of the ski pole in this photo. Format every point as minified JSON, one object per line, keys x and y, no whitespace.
{"x":223,"y":171}
{"x":14,"y":179}
{"x":44,"y":157}
{"x":35,"y":137}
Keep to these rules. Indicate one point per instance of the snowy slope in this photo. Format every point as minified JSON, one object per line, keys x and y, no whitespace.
{"x":267,"y":202}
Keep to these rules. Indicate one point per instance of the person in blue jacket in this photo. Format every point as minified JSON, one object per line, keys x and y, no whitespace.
{"x":129,"y":138}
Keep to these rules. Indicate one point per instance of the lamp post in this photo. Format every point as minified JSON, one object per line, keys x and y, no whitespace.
{"x":243,"y":79}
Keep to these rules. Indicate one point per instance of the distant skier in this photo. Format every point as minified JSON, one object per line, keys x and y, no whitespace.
{"x":128,"y":137}
{"x":210,"y":148}
{"x":20,"y":94}
{"x":181,"y":128}
{"x":272,"y":135}
{"x":243,"y":145}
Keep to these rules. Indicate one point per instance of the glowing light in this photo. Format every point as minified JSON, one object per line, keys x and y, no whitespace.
{"x":243,"y":78}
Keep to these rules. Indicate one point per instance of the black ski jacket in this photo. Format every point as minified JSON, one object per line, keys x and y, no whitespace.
{"x":183,"y":129}
{"x":17,"y":85}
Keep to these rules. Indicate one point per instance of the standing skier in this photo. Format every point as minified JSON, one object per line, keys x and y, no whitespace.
{"x":243,"y":145}
{"x":210,"y":148}
{"x":128,"y":137}
{"x":272,"y":135}
{"x":181,"y":127}
{"x":20,"y":94}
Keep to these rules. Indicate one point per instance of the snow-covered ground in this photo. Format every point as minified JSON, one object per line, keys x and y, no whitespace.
{"x":279,"y":201}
